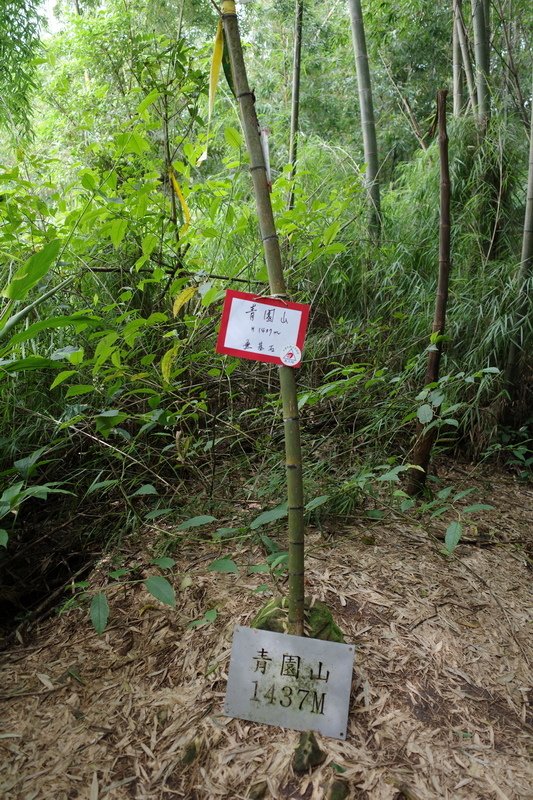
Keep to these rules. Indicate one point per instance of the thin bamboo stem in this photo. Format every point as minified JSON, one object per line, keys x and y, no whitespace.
{"x":457,"y":70}
{"x":267,"y":226}
{"x":465,"y":54}
{"x":422,"y":451}
{"x":295,"y":98}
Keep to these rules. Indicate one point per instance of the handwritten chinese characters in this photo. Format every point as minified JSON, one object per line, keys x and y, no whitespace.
{"x":262,"y":329}
{"x":290,"y":681}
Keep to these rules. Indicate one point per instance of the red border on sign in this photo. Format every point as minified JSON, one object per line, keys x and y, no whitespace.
{"x":260,"y":300}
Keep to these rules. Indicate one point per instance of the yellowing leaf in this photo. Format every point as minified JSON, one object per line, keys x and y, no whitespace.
{"x":216,"y":63}
{"x":167,"y":362}
{"x":181,"y":198}
{"x":183,"y":298}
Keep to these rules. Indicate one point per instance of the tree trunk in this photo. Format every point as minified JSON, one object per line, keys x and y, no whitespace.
{"x":425,"y":441}
{"x":370,"y":144}
{"x":295,"y":101}
{"x":277,"y":288}
{"x":465,"y":54}
{"x":482,"y":59}
{"x":458,"y":73}
{"x":523,"y":300}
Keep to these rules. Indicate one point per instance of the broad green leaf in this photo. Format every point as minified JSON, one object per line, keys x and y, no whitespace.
{"x":132,"y":143}
{"x":392,"y":474}
{"x":79,"y":388}
{"x":316,"y":502}
{"x":374,"y":513}
{"x":147,"y":102}
{"x":224,"y":565}
{"x":161,"y":589}
{"x":99,"y":612}
{"x":270,"y":545}
{"x":149,"y":243}
{"x":233,"y":137}
{"x":24,"y":466}
{"x":462,"y":494}
{"x":453,"y":536}
{"x":118,"y":231}
{"x":32,"y":271}
{"x":424,"y":414}
{"x":277,"y":559}
{"x":477,"y":507}
{"x":4,"y":537}
{"x":331,"y":232}
{"x":196,"y":522}
{"x":445,"y":493}
{"x":164,"y":562}
{"x":407,"y":504}
{"x":146,"y":488}
{"x":269,"y":516}
{"x":258,"y":568}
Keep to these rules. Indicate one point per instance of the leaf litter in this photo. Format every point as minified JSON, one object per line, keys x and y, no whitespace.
{"x":440,"y":704}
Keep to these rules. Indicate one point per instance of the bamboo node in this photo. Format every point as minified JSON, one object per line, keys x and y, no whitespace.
{"x":272,"y":236}
{"x":228,"y":8}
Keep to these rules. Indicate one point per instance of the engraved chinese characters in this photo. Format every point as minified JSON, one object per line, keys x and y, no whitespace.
{"x":262,"y":329}
{"x":290,"y":681}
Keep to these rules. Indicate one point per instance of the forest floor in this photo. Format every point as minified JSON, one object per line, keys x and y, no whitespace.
{"x":439,"y":705}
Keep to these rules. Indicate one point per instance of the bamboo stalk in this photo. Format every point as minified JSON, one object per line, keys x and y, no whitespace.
{"x":273,"y":260}
{"x":366,"y":106}
{"x":481,"y":51}
{"x":422,"y":451}
{"x":523,"y":302}
{"x":457,"y":69}
{"x":465,"y":54}
{"x":295,"y":98}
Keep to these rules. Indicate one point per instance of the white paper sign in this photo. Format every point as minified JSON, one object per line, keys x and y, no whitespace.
{"x":290,"y":681}
{"x":262,"y":329}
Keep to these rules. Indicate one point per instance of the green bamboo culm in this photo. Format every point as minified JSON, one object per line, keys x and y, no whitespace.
{"x":278,"y":290}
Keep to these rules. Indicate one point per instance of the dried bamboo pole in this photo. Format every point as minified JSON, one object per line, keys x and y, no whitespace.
{"x":416,"y":478}
{"x":278,"y":289}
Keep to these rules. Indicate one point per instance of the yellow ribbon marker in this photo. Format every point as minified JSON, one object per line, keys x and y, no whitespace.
{"x":181,"y":198}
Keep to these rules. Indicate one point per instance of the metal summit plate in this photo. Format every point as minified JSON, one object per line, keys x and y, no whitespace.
{"x":290,"y":681}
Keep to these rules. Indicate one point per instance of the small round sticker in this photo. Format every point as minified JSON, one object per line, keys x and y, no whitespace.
{"x":290,"y":355}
